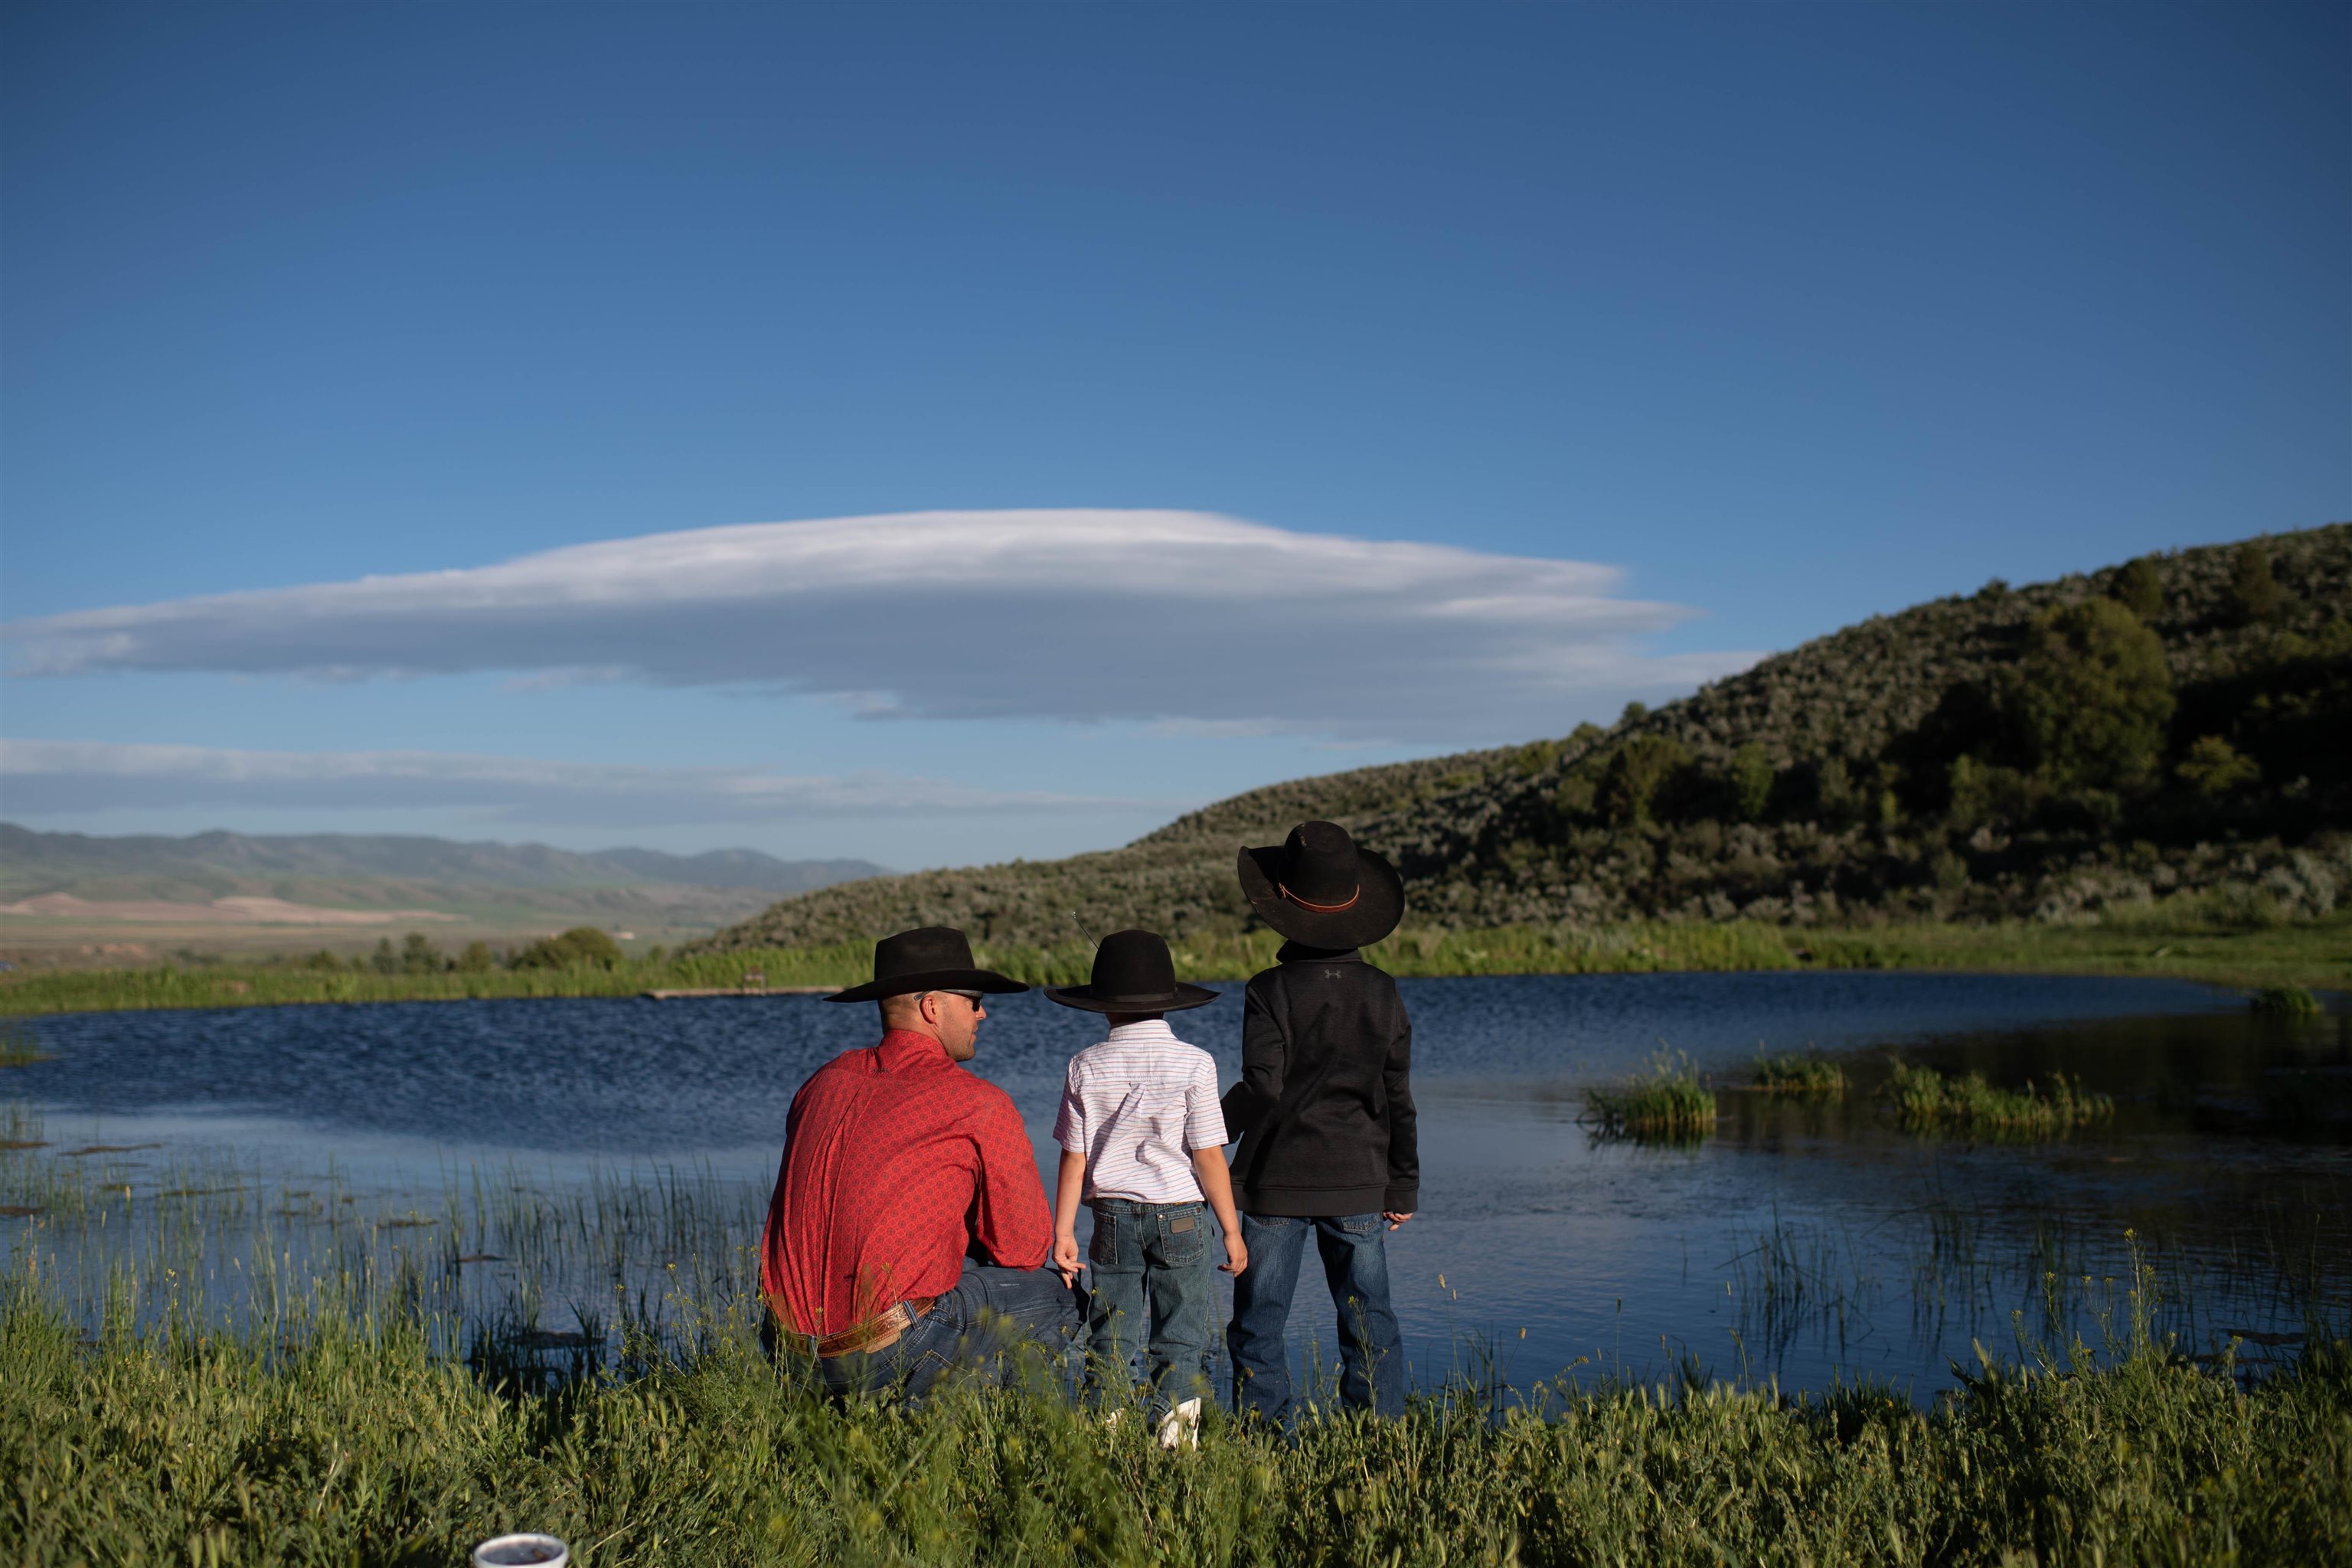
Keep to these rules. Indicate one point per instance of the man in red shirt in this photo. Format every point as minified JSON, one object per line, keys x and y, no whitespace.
{"x":901,"y":1172}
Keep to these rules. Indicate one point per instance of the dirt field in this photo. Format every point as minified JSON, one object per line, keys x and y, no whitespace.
{"x":149,"y":934}
{"x":232,"y":910}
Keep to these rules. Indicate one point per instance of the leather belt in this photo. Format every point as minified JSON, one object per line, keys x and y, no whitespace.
{"x":877,"y":1333}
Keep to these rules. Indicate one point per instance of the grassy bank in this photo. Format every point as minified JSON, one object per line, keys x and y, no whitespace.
{"x":336,"y":1440}
{"x":2317,"y":954}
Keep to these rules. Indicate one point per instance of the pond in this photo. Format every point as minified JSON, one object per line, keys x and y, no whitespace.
{"x":574,"y":1164}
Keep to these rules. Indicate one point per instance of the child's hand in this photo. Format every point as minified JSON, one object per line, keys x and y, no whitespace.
{"x":1236,"y":1253}
{"x":1065,"y":1257}
{"x":1394,"y":1218}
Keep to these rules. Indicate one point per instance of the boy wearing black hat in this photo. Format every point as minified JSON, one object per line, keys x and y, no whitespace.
{"x":1325,"y":1116}
{"x":1143,"y":1144}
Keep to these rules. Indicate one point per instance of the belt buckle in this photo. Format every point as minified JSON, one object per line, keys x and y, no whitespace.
{"x":878,"y":1334}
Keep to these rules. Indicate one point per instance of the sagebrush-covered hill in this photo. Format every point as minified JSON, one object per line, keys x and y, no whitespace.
{"x":2174,"y":727}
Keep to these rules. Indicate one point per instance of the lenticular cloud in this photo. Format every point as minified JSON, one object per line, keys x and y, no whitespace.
{"x":1159,"y":617}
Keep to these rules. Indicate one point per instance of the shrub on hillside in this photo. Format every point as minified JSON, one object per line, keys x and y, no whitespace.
{"x":582,"y":947}
{"x":2090,"y":699}
{"x":2213,"y":767}
{"x":2140,"y":588}
{"x":1641,"y":768}
{"x":2254,"y":593}
{"x":1748,"y":782}
{"x":1835,"y":798}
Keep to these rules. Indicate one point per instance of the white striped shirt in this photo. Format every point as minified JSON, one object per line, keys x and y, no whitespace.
{"x":1137,"y":1106}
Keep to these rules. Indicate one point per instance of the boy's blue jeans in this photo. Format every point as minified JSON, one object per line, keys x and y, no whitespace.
{"x":1154,"y":1278}
{"x":992,"y":1311}
{"x":1355,"y":1254}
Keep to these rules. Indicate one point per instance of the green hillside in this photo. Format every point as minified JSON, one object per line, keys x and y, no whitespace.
{"x":2165,"y":735}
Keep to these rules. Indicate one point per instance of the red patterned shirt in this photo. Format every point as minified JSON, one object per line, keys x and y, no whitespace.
{"x":894,"y":1158}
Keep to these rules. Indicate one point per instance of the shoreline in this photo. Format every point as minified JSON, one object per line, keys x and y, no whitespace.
{"x":2314,"y":955}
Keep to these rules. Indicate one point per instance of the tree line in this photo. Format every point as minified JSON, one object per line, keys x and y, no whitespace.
{"x":582,"y":947}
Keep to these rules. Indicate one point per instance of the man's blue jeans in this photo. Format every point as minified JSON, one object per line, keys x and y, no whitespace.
{"x":992,"y":1312}
{"x":1153,"y":1279}
{"x":1355,"y":1255}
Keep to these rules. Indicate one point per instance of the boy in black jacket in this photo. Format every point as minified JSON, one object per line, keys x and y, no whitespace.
{"x":1325,"y":1112}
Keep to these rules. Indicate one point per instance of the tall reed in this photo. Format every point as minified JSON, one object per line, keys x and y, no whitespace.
{"x":1925,"y":1099}
{"x":1665,"y":1101}
{"x":1799,"y":1075}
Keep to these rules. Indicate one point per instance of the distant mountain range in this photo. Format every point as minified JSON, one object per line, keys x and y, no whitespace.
{"x":2169,"y":730}
{"x":44,"y":862}
{"x":134,"y":876}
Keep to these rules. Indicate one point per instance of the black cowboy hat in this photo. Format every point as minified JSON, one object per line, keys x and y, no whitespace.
{"x":928,"y":958}
{"x":1132,"y":973}
{"x":1317,"y":887}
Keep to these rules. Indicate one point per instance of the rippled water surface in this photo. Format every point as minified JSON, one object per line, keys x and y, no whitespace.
{"x":1805,"y":1240}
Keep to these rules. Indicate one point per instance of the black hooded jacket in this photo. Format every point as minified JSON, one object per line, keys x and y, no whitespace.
{"x":1324,"y":1109}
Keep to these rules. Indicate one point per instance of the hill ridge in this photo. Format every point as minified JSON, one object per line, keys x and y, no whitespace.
{"x":1872,"y":773}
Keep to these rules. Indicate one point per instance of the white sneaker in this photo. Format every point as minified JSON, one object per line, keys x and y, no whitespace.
{"x":1180,"y":1427}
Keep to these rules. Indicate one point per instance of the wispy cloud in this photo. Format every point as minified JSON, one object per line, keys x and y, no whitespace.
{"x":1157,"y":616}
{"x":46,"y":778}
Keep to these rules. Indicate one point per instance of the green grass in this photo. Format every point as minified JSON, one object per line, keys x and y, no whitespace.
{"x":2286,"y":1002}
{"x":2317,"y":954}
{"x":2313,"y":953}
{"x":1799,"y":1075}
{"x":1666,"y":1101}
{"x":1925,"y":1099}
{"x":339,"y":1439}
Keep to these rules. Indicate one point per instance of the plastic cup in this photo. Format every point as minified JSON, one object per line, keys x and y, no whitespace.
{"x":527,"y":1550}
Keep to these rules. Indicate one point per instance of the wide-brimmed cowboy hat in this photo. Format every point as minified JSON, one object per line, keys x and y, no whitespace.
{"x":1317,"y":887}
{"x":1132,"y":973}
{"x":928,"y":958}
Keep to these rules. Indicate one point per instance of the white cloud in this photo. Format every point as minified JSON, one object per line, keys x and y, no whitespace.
{"x":49,"y":778}
{"x":1156,"y":617}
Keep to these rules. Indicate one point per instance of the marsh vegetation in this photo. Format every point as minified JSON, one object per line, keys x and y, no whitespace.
{"x":2286,"y":1002}
{"x":198,"y":1366}
{"x":1924,"y":1099}
{"x":1805,"y":1075}
{"x":1825,"y":1326}
{"x":1668,"y":1101}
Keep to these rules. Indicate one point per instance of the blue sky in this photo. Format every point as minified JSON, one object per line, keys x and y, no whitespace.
{"x":1158,"y":401}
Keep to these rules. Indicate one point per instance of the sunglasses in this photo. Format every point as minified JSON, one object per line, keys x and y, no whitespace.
{"x":971,"y":997}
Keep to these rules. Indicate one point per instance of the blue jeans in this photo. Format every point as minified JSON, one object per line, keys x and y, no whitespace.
{"x":992,"y":1311}
{"x":1356,"y":1265}
{"x":1153,"y":1270}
